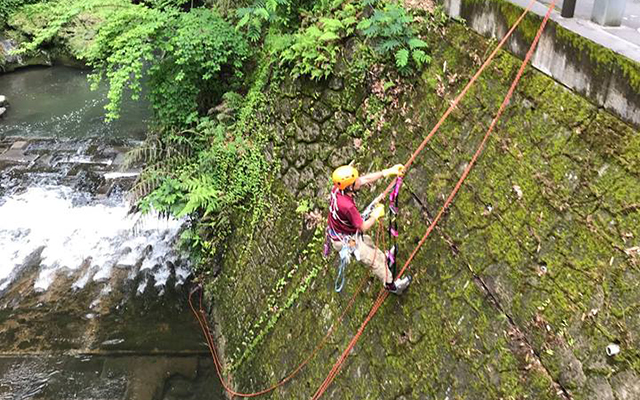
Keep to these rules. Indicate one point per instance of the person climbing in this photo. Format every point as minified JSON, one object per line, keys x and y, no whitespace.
{"x":346,"y":227}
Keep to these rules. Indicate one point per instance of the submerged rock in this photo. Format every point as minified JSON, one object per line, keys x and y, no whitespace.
{"x":11,"y":61}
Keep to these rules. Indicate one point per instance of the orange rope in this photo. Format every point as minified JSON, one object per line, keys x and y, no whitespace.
{"x":201,"y":315}
{"x":383,"y":293}
{"x":204,"y":326}
{"x":456,"y":101}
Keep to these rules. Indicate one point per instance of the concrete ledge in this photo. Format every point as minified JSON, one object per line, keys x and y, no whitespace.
{"x":603,"y":68}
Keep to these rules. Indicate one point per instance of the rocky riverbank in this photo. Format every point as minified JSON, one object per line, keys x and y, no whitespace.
{"x":92,"y":302}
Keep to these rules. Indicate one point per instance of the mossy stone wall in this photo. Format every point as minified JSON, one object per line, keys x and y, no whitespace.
{"x":531,"y":274}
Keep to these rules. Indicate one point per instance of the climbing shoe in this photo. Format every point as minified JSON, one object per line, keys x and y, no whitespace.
{"x":399,"y":285}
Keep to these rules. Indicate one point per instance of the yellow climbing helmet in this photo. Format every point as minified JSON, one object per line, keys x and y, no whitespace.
{"x":344,"y":176}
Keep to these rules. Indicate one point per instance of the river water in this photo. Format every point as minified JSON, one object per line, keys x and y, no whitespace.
{"x":57,"y":102}
{"x":92,"y":298}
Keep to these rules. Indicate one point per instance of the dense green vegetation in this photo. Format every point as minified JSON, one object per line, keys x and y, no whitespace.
{"x":8,"y":7}
{"x":205,"y":66}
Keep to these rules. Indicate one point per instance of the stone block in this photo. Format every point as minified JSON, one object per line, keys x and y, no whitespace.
{"x":307,"y":130}
{"x":336,"y":83}
{"x":608,"y":12}
{"x":3,"y":100}
{"x":17,"y":157}
{"x":320,"y":112}
{"x":599,"y":388}
{"x":626,"y":385}
{"x":2,"y":111}
{"x":19,"y":145}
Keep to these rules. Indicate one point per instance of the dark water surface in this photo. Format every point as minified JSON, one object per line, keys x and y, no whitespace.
{"x":57,"y":102}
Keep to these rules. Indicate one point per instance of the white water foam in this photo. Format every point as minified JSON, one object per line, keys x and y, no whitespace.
{"x":101,"y":235}
{"x":116,"y":175}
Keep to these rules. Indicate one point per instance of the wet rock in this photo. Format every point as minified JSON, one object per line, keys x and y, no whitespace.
{"x":13,"y":62}
{"x":16,"y":156}
{"x":3,"y":100}
{"x":320,"y":112}
{"x":2,"y":111}
{"x":19,"y":145}
{"x":599,"y":388}
{"x":307,"y":130}
{"x":626,"y":386}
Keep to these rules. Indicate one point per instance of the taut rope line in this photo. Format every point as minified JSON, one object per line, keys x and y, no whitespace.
{"x":383,"y":293}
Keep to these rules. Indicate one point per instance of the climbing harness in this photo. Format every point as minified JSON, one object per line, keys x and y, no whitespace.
{"x":201,"y":315}
{"x":349,"y":243}
{"x":349,"y":247}
{"x":393,"y":227}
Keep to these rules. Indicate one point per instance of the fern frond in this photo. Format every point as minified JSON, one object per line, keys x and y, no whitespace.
{"x":416,"y":43}
{"x":145,"y":183}
{"x":142,"y":154}
{"x":402,"y":58}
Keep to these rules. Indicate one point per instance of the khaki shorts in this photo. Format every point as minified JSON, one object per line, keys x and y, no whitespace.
{"x":370,"y":255}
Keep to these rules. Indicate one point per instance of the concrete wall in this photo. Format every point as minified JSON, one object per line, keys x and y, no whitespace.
{"x":582,"y":61}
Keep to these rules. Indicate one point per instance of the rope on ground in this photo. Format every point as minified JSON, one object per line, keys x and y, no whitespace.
{"x":384,"y":294}
{"x":201,"y":315}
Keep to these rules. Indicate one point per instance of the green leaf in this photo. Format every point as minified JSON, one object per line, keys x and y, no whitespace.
{"x":389,"y":45}
{"x":420,"y":57}
{"x":364,"y":24}
{"x":262,"y":12}
{"x":349,"y":21}
{"x":416,"y":43}
{"x":327,"y":36}
{"x":331,"y":24}
{"x":402,"y":58}
{"x":243,"y":21}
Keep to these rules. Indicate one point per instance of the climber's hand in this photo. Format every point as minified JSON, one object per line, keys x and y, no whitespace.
{"x":378,"y":212}
{"x":396,"y":170}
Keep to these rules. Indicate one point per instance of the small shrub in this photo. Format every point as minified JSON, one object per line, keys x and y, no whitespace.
{"x":390,"y":30}
{"x":313,"y":51}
